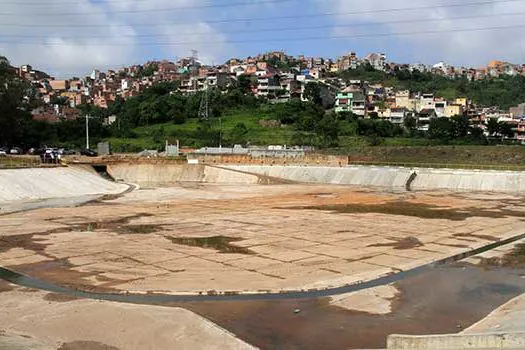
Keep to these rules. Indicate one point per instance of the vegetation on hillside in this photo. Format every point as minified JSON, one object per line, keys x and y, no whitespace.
{"x":504,"y":92}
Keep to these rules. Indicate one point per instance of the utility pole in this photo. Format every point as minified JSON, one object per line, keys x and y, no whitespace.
{"x":87,"y":131}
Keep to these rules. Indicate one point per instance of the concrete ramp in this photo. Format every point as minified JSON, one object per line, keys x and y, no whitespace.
{"x":166,"y":174}
{"x":46,"y":183}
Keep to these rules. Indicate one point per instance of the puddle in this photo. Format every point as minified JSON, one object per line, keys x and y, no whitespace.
{"x":441,"y":300}
{"x":401,"y":243}
{"x":419,"y":210}
{"x":220,"y":243}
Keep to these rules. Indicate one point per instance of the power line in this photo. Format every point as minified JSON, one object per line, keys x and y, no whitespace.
{"x":167,"y":9}
{"x":71,"y":2}
{"x":284,"y":29}
{"x":272,"y":40}
{"x":256,"y":19}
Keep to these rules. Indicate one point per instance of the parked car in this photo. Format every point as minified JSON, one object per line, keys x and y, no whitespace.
{"x":3,"y":153}
{"x":89,"y":153}
{"x":16,"y":150}
{"x":66,"y":152}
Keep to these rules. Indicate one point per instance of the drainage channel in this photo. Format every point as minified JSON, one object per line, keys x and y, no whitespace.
{"x":153,"y":299}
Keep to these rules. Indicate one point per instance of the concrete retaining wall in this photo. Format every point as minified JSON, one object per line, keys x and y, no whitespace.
{"x":353,"y":175}
{"x":46,"y":183}
{"x":458,"y":341}
{"x":390,"y":177}
{"x":165,"y":174}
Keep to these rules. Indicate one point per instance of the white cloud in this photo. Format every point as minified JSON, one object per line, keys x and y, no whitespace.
{"x":452,"y":45}
{"x":97,"y":36}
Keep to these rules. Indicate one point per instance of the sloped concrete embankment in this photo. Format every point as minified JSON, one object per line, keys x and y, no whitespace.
{"x":458,"y":341}
{"x":165,"y":174}
{"x":401,"y":178}
{"x":46,"y":183}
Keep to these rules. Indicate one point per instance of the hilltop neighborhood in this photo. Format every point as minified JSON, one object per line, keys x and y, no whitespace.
{"x":277,"y":77}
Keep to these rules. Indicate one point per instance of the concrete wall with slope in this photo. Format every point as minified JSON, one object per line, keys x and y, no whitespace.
{"x":397,"y":177}
{"x":165,"y":174}
{"x":46,"y":183}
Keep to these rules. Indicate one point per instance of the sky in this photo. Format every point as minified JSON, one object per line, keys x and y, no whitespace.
{"x":72,"y":37}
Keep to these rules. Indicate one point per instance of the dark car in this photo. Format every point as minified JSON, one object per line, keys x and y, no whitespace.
{"x":88,"y":153}
{"x":66,"y":152}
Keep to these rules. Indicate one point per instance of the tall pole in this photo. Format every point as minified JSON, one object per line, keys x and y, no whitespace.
{"x":87,"y":131}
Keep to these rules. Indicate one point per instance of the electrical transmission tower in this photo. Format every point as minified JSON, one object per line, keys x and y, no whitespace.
{"x":204,"y":109}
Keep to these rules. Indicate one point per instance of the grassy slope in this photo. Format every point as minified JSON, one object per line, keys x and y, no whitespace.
{"x":188,"y":133}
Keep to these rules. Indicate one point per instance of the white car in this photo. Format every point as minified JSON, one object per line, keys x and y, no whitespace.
{"x":3,"y":153}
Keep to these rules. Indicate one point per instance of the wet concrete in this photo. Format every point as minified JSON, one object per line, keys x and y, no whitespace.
{"x":220,"y":243}
{"x":418,"y":210}
{"x":445,"y":299}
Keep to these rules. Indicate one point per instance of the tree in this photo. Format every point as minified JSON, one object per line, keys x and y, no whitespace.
{"x":328,"y":130}
{"x":493,"y":126}
{"x":245,"y":83}
{"x":505,"y":130}
{"x":441,"y":128}
{"x":312,"y":92}
{"x":15,"y":106}
{"x":410,"y":124}
{"x":461,"y":125}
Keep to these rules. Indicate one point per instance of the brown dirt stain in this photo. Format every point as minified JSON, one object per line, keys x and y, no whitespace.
{"x":415,"y":209}
{"x":220,"y":243}
{"x":86,"y":345}
{"x":401,"y":243}
{"x":59,"y":298}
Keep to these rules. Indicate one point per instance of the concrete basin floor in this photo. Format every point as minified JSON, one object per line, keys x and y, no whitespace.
{"x":206,"y":239}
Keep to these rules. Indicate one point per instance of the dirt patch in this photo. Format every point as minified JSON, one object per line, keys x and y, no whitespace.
{"x":118,"y":225}
{"x":138,"y":229}
{"x":419,"y":210}
{"x":401,"y":243}
{"x":220,"y":243}
{"x":471,"y":235}
{"x":86,"y":345}
{"x":59,"y":298}
{"x":5,"y":287}
{"x":61,"y":273}
{"x":514,"y":259}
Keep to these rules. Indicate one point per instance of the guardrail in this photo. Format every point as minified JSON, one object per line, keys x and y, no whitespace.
{"x":502,"y":167}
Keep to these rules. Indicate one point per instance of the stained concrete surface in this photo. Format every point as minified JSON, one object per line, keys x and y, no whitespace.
{"x":288,"y":238}
{"x":31,"y":321}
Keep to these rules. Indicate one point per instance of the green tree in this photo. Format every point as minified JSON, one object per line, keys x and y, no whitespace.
{"x":15,"y":106}
{"x":441,"y":128}
{"x":461,"y":125}
{"x":328,"y":130}
{"x":312,"y":92}
{"x":493,"y":126}
{"x":410,"y":124}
